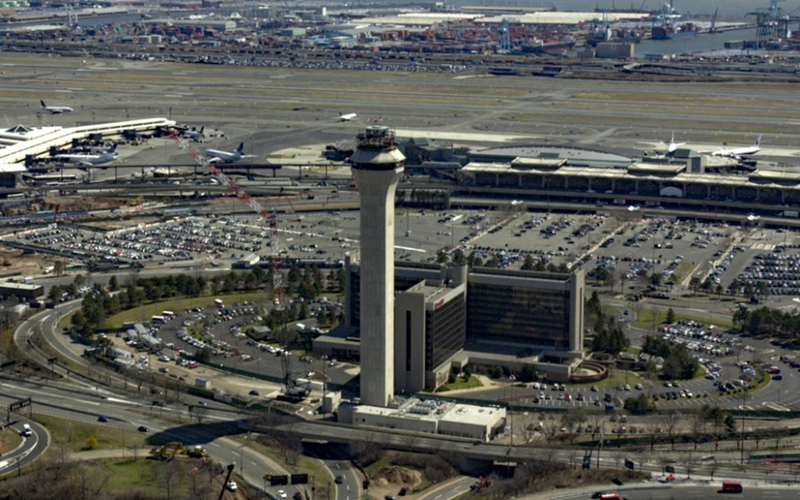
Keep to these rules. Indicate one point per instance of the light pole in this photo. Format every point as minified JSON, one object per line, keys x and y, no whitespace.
{"x":324,"y":359}
{"x":741,"y":459}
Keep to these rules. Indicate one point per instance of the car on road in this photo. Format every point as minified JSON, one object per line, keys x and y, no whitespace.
{"x":598,"y":494}
{"x":282,"y":494}
{"x":339,"y":479}
{"x":202,"y":403}
{"x":232,"y":486}
{"x":143,"y":429}
{"x":159,"y":403}
{"x":254,"y":393}
{"x":297,"y":496}
{"x":102,"y":418}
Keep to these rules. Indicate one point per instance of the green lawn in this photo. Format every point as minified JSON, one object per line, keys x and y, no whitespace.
{"x":9,"y":440}
{"x":145,"y":312}
{"x":645,"y":317}
{"x":614,"y":379}
{"x":683,"y":270}
{"x":187,"y":478}
{"x":72,"y":435}
{"x":460,"y":383}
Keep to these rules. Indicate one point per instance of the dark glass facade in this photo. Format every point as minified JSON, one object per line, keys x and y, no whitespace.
{"x":516,"y":314}
{"x":444,"y":332}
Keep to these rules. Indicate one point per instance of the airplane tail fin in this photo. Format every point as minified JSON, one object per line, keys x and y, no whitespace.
{"x":201,"y":129}
{"x":758,"y":141}
{"x":112,"y":149}
{"x":240,"y":149}
{"x":43,"y":104}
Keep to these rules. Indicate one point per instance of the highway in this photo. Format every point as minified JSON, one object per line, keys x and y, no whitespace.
{"x":31,"y":448}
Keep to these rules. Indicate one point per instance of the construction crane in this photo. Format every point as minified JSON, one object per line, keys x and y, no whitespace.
{"x":292,"y":392}
{"x":267,"y":215}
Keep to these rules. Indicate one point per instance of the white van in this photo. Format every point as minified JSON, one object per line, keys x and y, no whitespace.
{"x":26,"y":430}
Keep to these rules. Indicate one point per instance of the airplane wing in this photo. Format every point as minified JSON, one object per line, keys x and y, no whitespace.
{"x":84,"y":163}
{"x":214,"y":159}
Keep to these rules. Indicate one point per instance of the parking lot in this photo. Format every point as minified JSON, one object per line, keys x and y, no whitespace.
{"x":221,"y":330}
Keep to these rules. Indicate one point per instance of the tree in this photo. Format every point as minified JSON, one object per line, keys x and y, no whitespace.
{"x":640,"y":404}
{"x":113,"y":285}
{"x":529,"y":263}
{"x":670,"y":316}
{"x":91,"y":443}
{"x":612,"y":341}
{"x":459,"y":258}
{"x":203,"y":355}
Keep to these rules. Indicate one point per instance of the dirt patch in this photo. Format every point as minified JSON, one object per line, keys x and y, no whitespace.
{"x":14,"y":261}
{"x":391,"y":479}
{"x":79,"y":204}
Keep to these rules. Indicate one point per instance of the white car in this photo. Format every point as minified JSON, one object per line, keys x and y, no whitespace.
{"x":232,"y":486}
{"x":282,"y":494}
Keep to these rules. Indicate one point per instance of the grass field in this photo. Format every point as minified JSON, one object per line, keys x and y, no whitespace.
{"x":72,"y":435}
{"x":615,"y":378}
{"x":145,"y":312}
{"x":185,"y":476}
{"x":460,"y":383}
{"x":683,"y":270}
{"x":645,"y":318}
{"x":9,"y":440}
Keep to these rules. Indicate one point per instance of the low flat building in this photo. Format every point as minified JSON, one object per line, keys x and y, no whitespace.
{"x":481,"y":423}
{"x":22,"y":291}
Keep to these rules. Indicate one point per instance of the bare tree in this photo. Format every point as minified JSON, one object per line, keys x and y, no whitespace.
{"x":698,"y":424}
{"x":135,"y":447}
{"x":691,"y":463}
{"x":670,"y":421}
{"x":170,"y":474}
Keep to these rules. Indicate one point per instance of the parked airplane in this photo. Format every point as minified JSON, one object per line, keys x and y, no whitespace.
{"x":194,"y":134}
{"x":671,"y":147}
{"x":216,"y":156}
{"x":739,"y":152}
{"x":347,"y":117}
{"x":106,"y":156}
{"x":56,"y":109}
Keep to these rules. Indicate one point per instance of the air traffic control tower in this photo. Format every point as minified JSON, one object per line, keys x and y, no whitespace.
{"x":377,"y":165}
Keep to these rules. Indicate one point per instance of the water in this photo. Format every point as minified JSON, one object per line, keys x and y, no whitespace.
{"x":727,"y":8}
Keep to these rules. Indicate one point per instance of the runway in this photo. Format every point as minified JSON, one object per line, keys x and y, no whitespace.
{"x":272,"y":109}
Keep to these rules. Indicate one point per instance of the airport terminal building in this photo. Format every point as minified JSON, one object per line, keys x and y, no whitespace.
{"x":448,"y":317}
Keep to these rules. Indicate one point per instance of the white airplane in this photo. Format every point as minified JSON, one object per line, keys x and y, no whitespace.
{"x":739,"y":152}
{"x":216,"y":156}
{"x":194,"y":134}
{"x":671,"y":147}
{"x":106,"y":156}
{"x":347,"y":117}
{"x":56,"y":109}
